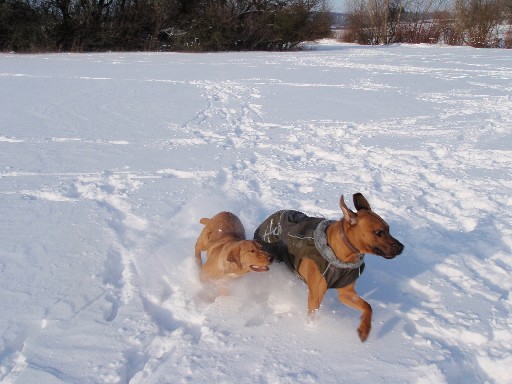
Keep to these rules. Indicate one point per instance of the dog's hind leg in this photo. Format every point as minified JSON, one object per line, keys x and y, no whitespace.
{"x":348,"y":296}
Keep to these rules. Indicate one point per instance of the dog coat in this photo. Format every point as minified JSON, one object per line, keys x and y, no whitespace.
{"x":291,"y":236}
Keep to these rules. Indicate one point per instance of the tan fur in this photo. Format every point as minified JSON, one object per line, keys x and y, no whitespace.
{"x":228,"y":253}
{"x":367,"y":232}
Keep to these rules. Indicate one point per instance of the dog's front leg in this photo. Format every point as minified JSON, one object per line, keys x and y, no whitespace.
{"x":316,"y":293}
{"x":348,"y":296}
{"x":317,"y":287}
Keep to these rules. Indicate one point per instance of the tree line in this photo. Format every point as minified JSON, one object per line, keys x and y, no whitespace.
{"x":478,"y":23}
{"x":150,"y":25}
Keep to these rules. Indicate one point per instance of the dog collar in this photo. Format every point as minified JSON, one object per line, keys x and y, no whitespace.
{"x":347,"y":241}
{"x":327,"y":253}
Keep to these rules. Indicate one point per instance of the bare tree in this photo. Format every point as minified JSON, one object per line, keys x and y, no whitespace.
{"x":374,"y":21}
{"x":478,"y":20}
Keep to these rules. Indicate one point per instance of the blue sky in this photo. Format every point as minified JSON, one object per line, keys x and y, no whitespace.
{"x":338,"y":5}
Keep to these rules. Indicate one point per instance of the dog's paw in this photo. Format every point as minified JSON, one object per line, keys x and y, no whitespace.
{"x":363,"y":333}
{"x":312,"y":317}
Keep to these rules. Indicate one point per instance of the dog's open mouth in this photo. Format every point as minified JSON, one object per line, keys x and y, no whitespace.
{"x":259,"y":268}
{"x":379,"y":252}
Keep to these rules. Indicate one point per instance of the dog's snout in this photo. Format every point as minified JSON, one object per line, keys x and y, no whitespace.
{"x":399,"y":247}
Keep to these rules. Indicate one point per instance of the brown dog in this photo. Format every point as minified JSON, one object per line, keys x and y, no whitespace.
{"x":229,"y":254}
{"x":330,"y":254}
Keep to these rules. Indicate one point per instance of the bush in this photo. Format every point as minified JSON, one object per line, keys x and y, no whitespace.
{"x":508,"y":38}
{"x":478,"y":21}
{"x":472,"y":22}
{"x":20,"y":27}
{"x":197,"y":25}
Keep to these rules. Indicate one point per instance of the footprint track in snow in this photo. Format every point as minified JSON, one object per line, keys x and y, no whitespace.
{"x":231,"y":105}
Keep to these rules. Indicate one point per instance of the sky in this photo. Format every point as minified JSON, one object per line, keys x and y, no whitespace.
{"x":341,"y":5}
{"x":338,"y":5}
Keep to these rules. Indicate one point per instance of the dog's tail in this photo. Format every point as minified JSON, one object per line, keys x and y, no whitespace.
{"x":204,"y":221}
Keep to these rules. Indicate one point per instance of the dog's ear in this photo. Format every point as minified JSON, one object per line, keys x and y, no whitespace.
{"x":234,"y":256}
{"x":348,"y":215}
{"x":361,"y":203}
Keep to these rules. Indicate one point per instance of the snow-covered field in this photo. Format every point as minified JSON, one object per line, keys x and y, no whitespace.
{"x":108,"y":161}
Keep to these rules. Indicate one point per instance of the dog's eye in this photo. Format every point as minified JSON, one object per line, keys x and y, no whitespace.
{"x":379,"y":233}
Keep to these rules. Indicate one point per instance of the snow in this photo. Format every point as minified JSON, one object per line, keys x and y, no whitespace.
{"x":108,"y":162}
